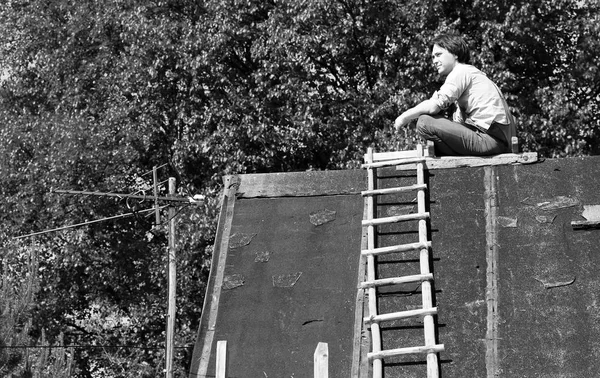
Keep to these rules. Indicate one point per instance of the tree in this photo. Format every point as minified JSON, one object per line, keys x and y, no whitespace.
{"x":72,"y":126}
{"x":94,"y":94}
{"x":20,"y":356}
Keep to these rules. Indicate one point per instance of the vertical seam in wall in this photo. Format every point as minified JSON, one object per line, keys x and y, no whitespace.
{"x":361,"y":343}
{"x":491,"y":235}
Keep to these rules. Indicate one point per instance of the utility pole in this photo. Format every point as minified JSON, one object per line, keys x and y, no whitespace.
{"x":172,"y":284}
{"x":173,"y":201}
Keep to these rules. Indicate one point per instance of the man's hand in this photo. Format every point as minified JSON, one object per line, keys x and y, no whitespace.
{"x":425,"y":107}
{"x":400,"y":122}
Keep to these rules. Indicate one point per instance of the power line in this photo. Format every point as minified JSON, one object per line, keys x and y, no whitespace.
{"x":85,"y":223}
{"x":122,"y":195}
{"x":88,"y":347}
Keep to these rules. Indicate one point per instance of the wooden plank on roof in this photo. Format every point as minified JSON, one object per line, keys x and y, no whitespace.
{"x":446,"y":162}
{"x":301,"y":184}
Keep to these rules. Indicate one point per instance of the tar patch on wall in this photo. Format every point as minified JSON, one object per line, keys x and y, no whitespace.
{"x":262,"y":257}
{"x":240,"y":240}
{"x":286,"y":280}
{"x":232,"y":281}
{"x":321,"y":217}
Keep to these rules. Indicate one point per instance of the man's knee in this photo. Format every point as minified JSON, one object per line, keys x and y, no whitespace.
{"x":424,"y":126}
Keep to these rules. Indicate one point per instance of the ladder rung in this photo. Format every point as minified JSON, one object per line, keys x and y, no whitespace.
{"x":402,"y":351}
{"x":400,"y":315}
{"x":396,"y":249}
{"x":395,"y":219}
{"x":393,"y":190}
{"x":388,"y":163}
{"x":397,"y":280}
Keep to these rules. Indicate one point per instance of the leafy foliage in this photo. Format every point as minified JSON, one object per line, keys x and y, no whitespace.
{"x":20,"y":355}
{"x":94,"y":94}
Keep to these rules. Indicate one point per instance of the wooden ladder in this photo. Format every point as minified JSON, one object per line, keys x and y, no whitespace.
{"x":425,"y":277}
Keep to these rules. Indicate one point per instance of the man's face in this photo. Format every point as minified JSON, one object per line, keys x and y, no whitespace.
{"x":443,"y":61}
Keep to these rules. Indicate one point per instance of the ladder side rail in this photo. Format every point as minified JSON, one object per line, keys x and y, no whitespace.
{"x":426,"y":288}
{"x":371,"y":274}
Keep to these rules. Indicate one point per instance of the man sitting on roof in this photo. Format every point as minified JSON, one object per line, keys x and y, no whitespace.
{"x":482,"y":123}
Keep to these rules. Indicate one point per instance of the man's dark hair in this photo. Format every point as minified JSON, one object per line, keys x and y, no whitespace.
{"x":455,"y":44}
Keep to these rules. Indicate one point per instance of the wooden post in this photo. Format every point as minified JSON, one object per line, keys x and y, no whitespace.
{"x":321,"y":361}
{"x":221,"y":363}
{"x":172,"y":284}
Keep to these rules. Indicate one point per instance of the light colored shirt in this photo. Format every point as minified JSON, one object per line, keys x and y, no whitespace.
{"x":478,"y":99}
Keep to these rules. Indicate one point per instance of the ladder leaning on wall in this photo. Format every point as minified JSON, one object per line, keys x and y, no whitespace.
{"x":423,"y":245}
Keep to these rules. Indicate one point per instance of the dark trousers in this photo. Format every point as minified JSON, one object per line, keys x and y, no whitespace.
{"x":451,"y":138}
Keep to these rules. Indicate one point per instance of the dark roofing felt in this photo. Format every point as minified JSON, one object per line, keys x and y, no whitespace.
{"x":287,"y":263}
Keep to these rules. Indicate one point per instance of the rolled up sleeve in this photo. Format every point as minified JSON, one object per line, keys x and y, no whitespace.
{"x":442,"y":98}
{"x":454,"y":86}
